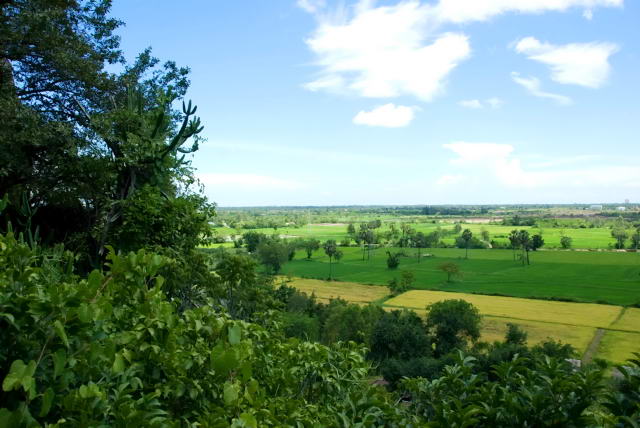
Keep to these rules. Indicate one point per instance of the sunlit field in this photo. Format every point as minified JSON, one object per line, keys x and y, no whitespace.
{"x":603,"y":277}
{"x":579,"y":314}
{"x":351,"y":292}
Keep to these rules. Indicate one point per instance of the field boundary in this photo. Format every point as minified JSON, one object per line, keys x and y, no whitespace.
{"x":594,"y":345}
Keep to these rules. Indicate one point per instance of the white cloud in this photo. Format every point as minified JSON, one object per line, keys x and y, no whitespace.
{"x":388,"y":115}
{"x":460,"y":11}
{"x":471,"y":104}
{"x":588,"y":14}
{"x":386,"y":51}
{"x":493,"y":102}
{"x":584,"y":64}
{"x":311,"y":6}
{"x":247,"y":181}
{"x":532,"y":84}
{"x":499,"y":161}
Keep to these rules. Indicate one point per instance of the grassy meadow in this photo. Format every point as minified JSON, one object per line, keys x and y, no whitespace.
{"x":597,"y":277}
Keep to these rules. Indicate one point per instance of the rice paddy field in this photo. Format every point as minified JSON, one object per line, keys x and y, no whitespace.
{"x":581,"y":276}
{"x":573,"y":323}
{"x":585,"y":238}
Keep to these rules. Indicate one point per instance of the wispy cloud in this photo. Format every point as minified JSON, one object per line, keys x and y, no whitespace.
{"x":584,"y":64}
{"x":499,"y":161}
{"x":461,"y":11}
{"x":533,"y":85}
{"x":388,"y":115}
{"x":493,"y":102}
{"x":311,"y":6}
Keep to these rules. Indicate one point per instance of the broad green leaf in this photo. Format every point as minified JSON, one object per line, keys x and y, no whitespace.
{"x":15,"y":376}
{"x":84,"y":312}
{"x":47,"y":400}
{"x":118,"y":364}
{"x":246,"y":420}
{"x":230,"y":393}
{"x":59,"y":329}
{"x":59,"y":361}
{"x":235,"y":334}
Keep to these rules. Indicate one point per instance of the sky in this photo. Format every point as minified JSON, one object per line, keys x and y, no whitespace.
{"x":364,"y":102}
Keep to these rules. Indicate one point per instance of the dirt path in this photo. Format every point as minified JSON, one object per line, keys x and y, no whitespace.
{"x":593,"y":346}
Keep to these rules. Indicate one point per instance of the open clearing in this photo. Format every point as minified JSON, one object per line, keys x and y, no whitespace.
{"x":597,"y":277}
{"x":572,"y":323}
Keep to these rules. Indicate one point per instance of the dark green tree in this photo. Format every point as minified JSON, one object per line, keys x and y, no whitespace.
{"x":309,"y":246}
{"x":453,"y":323}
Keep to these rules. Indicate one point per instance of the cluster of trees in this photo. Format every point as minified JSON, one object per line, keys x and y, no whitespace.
{"x":520,"y":239}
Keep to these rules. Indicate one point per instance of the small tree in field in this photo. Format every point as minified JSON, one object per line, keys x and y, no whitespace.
{"x":310,"y":245}
{"x":536,"y":242}
{"x":451,"y":269}
{"x":330,"y":249}
{"x":566,"y":242}
{"x":393,"y":260}
{"x":466,"y":237}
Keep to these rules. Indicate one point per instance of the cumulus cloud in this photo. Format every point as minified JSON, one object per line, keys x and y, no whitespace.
{"x":247,"y":181}
{"x":386,"y":51}
{"x":500,"y":162}
{"x":584,"y":64}
{"x":588,"y":14}
{"x":493,"y":102}
{"x":388,"y":115}
{"x":533,"y":85}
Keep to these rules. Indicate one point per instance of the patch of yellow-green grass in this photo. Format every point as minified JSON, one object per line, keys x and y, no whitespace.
{"x":581,"y":314}
{"x":495,"y":328}
{"x":629,"y":321}
{"x":349,"y":291}
{"x":618,"y":346}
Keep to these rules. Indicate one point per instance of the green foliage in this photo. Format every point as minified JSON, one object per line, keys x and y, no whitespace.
{"x":400,"y":335}
{"x":310,"y":245}
{"x":111,"y":349}
{"x":453,"y":323}
{"x":515,"y":335}
{"x":273,"y":253}
{"x":451,"y":269}
{"x":393,"y":260}
{"x":524,"y":392}
{"x":566,"y":242}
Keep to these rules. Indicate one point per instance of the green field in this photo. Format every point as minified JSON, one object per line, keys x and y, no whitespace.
{"x":594,"y":238}
{"x":602,"y":277}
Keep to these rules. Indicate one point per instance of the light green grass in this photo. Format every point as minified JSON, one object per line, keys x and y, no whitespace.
{"x":605,"y":277}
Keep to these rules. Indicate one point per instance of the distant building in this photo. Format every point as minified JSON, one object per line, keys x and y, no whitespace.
{"x":595,"y":207}
{"x":621,"y":208}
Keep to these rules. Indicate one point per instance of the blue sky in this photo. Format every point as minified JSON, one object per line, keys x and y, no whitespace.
{"x":312,"y":102}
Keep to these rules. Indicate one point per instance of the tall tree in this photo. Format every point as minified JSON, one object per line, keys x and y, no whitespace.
{"x":466,"y":237}
{"x":330,"y":249}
